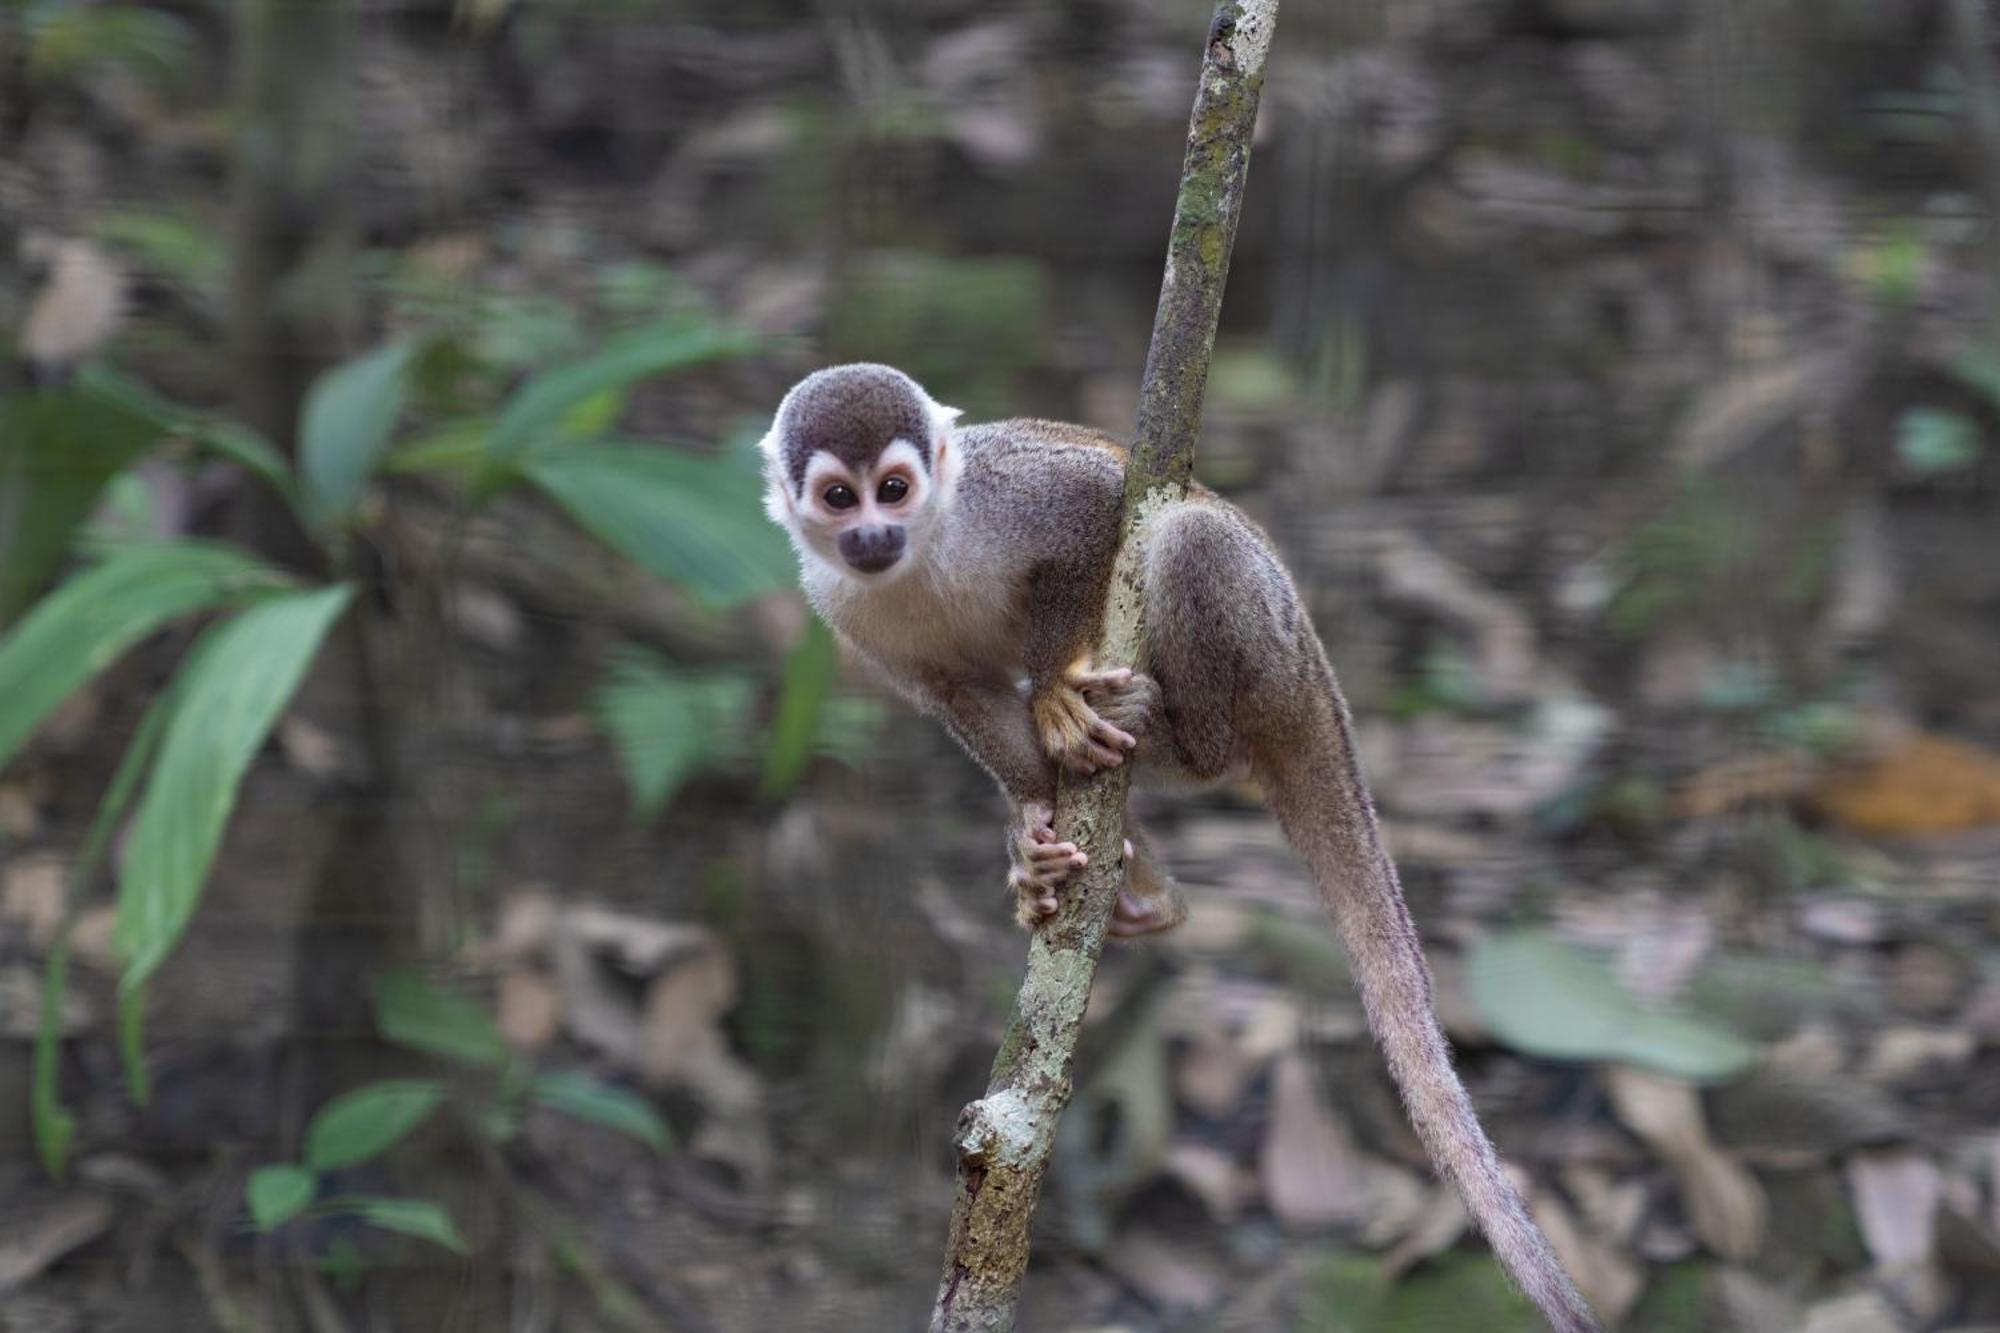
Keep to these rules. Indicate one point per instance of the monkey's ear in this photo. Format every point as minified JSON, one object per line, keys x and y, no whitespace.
{"x":943,"y":418}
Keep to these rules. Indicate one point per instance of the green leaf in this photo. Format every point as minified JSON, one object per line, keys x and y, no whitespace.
{"x":88,"y":623}
{"x":456,"y":448}
{"x":411,"y":1012}
{"x":409,"y":1217}
{"x":235,"y":684}
{"x":358,"y":1125}
{"x":535,"y":414}
{"x":232,"y":440}
{"x":1930,"y":441}
{"x":810,"y":670}
{"x":1548,"y":999}
{"x":696,"y":522}
{"x":665,"y":724}
{"x":277,"y":1194}
{"x":54,"y":1126}
{"x":344,"y":427}
{"x":602,"y":1103}
{"x":58,"y":448}
{"x":178,"y":247}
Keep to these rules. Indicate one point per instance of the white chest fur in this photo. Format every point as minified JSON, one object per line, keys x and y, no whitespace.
{"x":948,"y":610}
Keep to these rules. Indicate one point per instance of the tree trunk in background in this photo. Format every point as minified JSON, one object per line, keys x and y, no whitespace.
{"x":292,"y":314}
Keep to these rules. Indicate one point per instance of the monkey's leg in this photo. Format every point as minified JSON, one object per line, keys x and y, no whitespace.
{"x":1150,"y":902}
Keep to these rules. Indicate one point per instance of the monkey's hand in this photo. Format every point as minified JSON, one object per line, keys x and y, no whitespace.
{"x":1091,"y":720}
{"x":1038,"y":863}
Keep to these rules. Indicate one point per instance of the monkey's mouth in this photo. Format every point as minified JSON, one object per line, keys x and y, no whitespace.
{"x":873,"y":562}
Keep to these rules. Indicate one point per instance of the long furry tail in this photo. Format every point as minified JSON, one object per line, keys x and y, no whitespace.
{"x":1315,"y":787}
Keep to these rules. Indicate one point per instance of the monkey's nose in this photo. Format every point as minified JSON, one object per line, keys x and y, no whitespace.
{"x":872,"y":550}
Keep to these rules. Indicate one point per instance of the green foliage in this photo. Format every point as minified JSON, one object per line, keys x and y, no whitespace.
{"x":600,"y":1103}
{"x":237,"y":443}
{"x":411,"y":1012}
{"x":58,"y":448}
{"x":1891,"y":266}
{"x":967,"y":328}
{"x":344,"y":429}
{"x":1548,"y":999}
{"x":1453,"y":1291}
{"x":1670,"y":562}
{"x":696,"y":522}
{"x":54,"y":1127}
{"x":230,"y":692}
{"x":535,"y":415}
{"x":667,"y":724}
{"x":1931,"y":442}
{"x":810,"y":671}
{"x":277,"y":1194}
{"x":410,"y":1217}
{"x":178,"y":247}
{"x":1445,"y":683}
{"x":368,"y":1121}
{"x":89,"y":622}
{"x":66,"y":39}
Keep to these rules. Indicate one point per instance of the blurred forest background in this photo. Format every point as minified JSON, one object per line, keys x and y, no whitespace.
{"x":447,"y":883}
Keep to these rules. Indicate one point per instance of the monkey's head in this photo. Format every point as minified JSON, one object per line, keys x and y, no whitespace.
{"x":860,"y":468}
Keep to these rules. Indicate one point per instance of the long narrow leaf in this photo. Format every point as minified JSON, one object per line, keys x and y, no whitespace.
{"x":666,"y":724}
{"x":54,"y":1127}
{"x":368,"y":1121}
{"x":345,"y":427}
{"x":231,"y":439}
{"x":809,"y":676}
{"x":538,"y":408}
{"x":696,"y":522}
{"x":238,"y":681}
{"x":89,"y":622}
{"x":58,"y":447}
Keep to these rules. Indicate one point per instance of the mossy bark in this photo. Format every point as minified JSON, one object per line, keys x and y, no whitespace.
{"x":1003,"y":1139}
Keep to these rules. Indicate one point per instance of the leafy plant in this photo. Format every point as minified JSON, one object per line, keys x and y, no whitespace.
{"x":1549,"y":999}
{"x":690,"y":519}
{"x":1931,"y":442}
{"x":359,"y":1126}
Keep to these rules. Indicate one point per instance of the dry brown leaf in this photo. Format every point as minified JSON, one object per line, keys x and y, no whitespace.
{"x":1856,"y":1312}
{"x":31,"y":1241}
{"x":1212,"y":1176}
{"x":20,"y":810}
{"x":528,"y":1009}
{"x":1213,"y":1073}
{"x":33,"y":891}
{"x":77,"y":309}
{"x":1609,"y":1280}
{"x":309,"y":748}
{"x":1172,"y":1276}
{"x":1313,"y":1175}
{"x":682,"y":1010}
{"x":1901,"y":1052}
{"x":1724,"y":1203}
{"x":1741,"y":781}
{"x":1442,"y":1222}
{"x":1896,"y":1192}
{"x":1922,"y":784}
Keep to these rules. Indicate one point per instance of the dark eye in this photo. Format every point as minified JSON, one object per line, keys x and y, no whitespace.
{"x":893,"y":489}
{"x":840,"y":496}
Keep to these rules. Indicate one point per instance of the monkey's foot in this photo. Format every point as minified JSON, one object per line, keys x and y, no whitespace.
{"x":1148,"y":902}
{"x":1039,"y":864}
{"x":1079,"y":719}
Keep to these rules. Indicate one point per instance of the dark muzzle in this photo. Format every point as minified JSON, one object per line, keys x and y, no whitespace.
{"x":872,"y":550}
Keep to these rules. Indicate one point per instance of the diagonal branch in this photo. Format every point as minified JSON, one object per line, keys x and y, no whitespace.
{"x":1003,"y":1139}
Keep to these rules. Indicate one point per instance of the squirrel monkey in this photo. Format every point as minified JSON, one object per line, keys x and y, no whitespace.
{"x":963,"y":559}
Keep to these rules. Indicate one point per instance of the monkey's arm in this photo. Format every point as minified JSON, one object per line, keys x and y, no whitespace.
{"x":988,"y":717}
